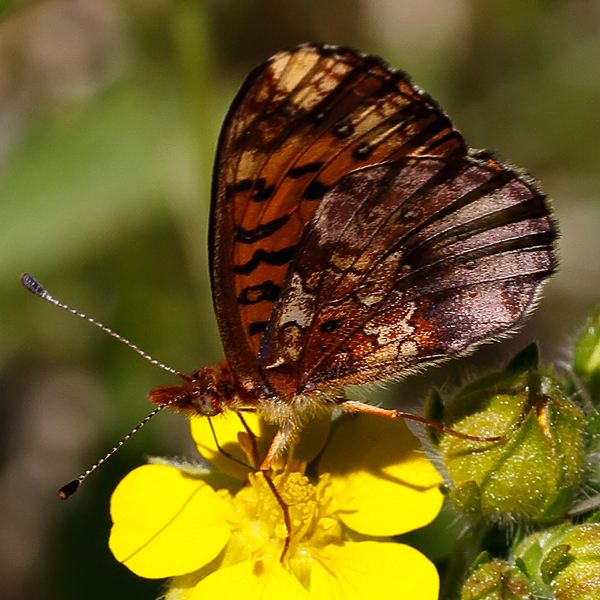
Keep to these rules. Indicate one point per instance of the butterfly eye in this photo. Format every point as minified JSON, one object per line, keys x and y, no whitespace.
{"x":205,"y":404}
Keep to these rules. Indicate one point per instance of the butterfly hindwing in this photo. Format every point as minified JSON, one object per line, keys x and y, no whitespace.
{"x":404,"y":264}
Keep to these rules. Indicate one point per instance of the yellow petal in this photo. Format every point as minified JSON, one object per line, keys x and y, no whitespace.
{"x":228,"y":427}
{"x":382,"y":483}
{"x":181,"y":588}
{"x":265,"y":579}
{"x":373,"y":570}
{"x":166,"y":522}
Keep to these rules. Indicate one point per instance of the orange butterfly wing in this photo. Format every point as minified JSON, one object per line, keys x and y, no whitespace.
{"x":300,"y":122}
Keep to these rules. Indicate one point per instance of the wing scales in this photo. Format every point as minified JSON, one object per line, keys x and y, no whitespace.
{"x":301,"y":122}
{"x":404,"y":263}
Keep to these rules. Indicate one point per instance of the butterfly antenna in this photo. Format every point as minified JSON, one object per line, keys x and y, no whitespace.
{"x":66,"y":491}
{"x":31,"y":284}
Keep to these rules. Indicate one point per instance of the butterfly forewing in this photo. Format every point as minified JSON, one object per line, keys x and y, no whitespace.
{"x":301,"y":122}
{"x":404,"y":264}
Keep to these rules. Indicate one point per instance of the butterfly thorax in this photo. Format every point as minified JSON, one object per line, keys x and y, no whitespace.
{"x":209,"y":391}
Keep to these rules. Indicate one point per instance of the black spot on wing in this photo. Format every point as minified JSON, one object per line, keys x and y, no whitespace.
{"x":261,"y":191}
{"x":274,"y":257}
{"x":362,"y":152}
{"x":257,"y":327}
{"x":243,"y":186}
{"x":253,"y":294}
{"x":330,"y":326}
{"x":264,"y":230}
{"x":319,"y":117}
{"x":343,"y":130}
{"x":315,"y":190}
{"x":297,"y":172}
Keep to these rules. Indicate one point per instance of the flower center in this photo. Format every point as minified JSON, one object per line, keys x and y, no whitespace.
{"x":259,"y":522}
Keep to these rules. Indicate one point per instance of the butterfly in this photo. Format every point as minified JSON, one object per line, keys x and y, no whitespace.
{"x":354,"y":238}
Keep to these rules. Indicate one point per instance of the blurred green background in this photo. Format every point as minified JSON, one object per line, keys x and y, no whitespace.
{"x":109,"y":116}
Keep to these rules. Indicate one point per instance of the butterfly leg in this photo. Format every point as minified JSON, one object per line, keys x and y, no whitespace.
{"x":253,"y":441}
{"x":353,"y":406}
{"x":286,"y":514}
{"x":284,"y":435}
{"x":228,"y":455}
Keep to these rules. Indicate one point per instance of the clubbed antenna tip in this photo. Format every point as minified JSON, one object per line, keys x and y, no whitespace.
{"x":66,"y":491}
{"x":31,"y":284}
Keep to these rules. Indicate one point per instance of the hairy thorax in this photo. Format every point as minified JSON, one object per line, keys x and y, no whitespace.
{"x":210,"y":391}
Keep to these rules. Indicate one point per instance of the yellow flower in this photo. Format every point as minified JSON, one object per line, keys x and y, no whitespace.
{"x":373,"y":482}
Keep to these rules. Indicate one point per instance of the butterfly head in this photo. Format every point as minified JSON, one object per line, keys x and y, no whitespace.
{"x":202,"y":394}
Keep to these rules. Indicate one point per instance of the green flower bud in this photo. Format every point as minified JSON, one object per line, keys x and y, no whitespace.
{"x":586,"y":359}
{"x":496,"y":580}
{"x":537,"y":466}
{"x":564,"y":562}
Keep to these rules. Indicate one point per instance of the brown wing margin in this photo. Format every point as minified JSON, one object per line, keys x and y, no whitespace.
{"x":234,"y":341}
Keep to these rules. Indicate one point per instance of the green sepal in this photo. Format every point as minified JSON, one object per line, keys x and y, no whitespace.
{"x":467,"y":498}
{"x":482,"y":559}
{"x":557,"y":509}
{"x":563,"y":562}
{"x":557,"y":559}
{"x":434,"y":411}
{"x":521,"y":566}
{"x":494,"y":579}
{"x":521,"y":532}
{"x":527,"y":359}
{"x":531,"y":552}
{"x":586,"y":357}
{"x":444,"y":489}
{"x":594,"y":518}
